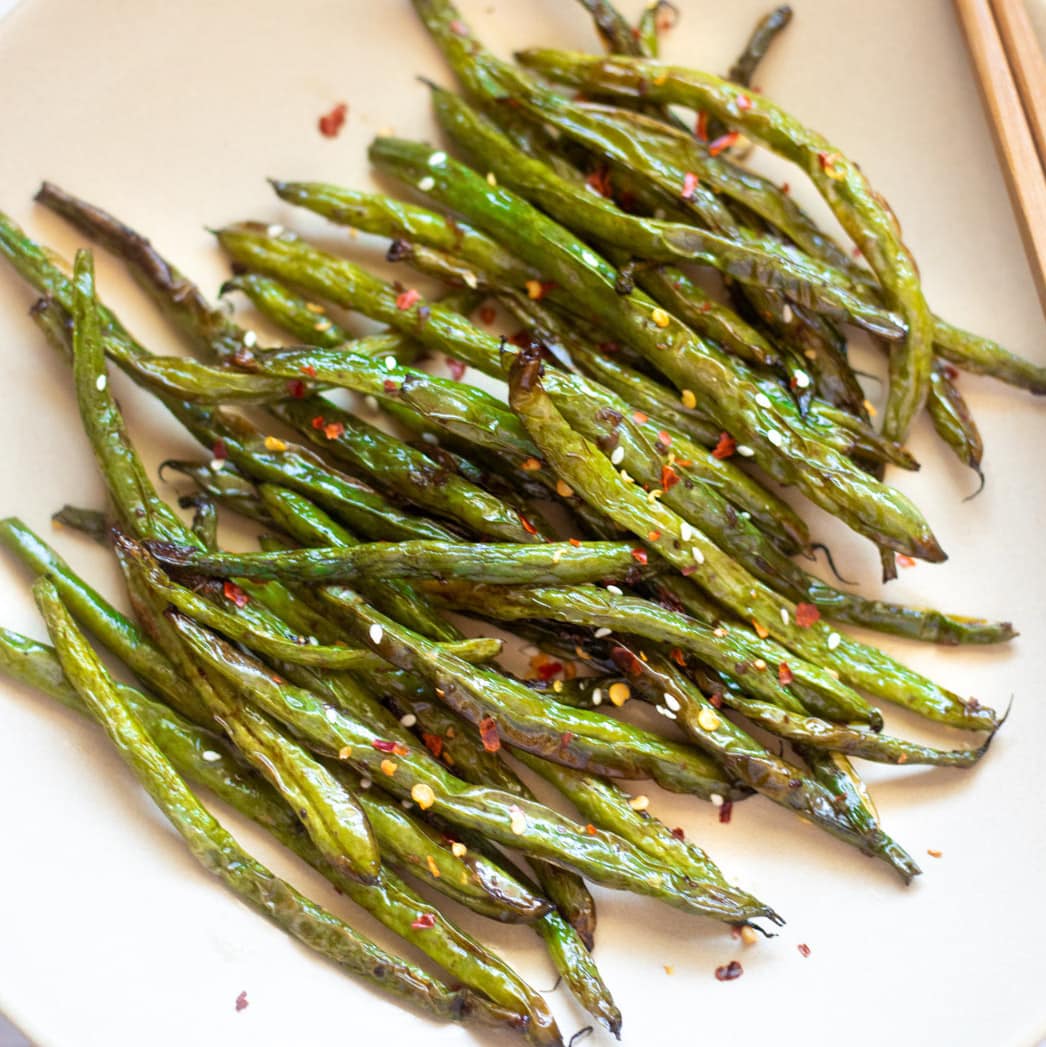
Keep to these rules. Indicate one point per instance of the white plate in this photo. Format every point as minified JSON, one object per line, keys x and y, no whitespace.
{"x":171,"y":115}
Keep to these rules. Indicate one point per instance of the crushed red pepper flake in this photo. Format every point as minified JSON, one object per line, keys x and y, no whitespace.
{"x":488,"y":314}
{"x":690,"y":183}
{"x":716,"y":700}
{"x":934,"y":854}
{"x":575,"y":542}
{"x":760,"y":630}
{"x":309,"y":370}
{"x":729,"y":971}
{"x":804,"y":949}
{"x":332,"y":430}
{"x":235,"y":595}
{"x":784,"y":674}
{"x":296,"y":388}
{"x":806,"y":615}
{"x":458,"y":28}
{"x":591,"y":829}
{"x":318,"y":422}
{"x":701,"y":127}
{"x":640,"y":417}
{"x":726,"y":811}
{"x":669,"y":477}
{"x":384,"y":746}
{"x":408,"y":298}
{"x":722,"y":143}
{"x":640,"y":556}
{"x":426,"y":921}
{"x":653,"y":536}
{"x":904,"y":560}
{"x":678,"y":656}
{"x":332,"y":122}
{"x":488,"y":734}
{"x":548,"y":670}
{"x":678,"y":833}
{"x":241,"y":1002}
{"x":600,"y":181}
{"x":457,"y":368}
{"x":785,"y":188}
{"x":527,"y":525}
{"x":390,"y":386}
{"x":219,"y":450}
{"x":744,"y":103}
{"x":432,"y":742}
{"x":726,"y":446}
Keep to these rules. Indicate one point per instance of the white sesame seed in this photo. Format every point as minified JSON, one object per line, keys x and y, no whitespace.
{"x":666,"y":713}
{"x":371,"y":403}
{"x":274,"y":230}
{"x":672,"y":702}
{"x":438,"y":159}
{"x":365,"y":783}
{"x":786,"y":314}
{"x":471,"y":280}
{"x":762,"y":399}
{"x":784,"y":615}
{"x":217,"y":465}
{"x":431,"y":439}
{"x":617,"y":456}
{"x":774,"y":437}
{"x":312,"y":640}
{"x":211,"y":756}
{"x":615,"y":590}
{"x":802,"y":380}
{"x":406,"y":804}
{"x":376,"y":633}
{"x":391,"y":363}
{"x":530,"y":650}
{"x":597,"y":697}
{"x":99,"y":382}
{"x":699,"y":557}
{"x":427,"y":184}
{"x":717,"y":800}
{"x":834,"y":639}
{"x":408,"y":720}
{"x":601,"y":632}
{"x":745,"y":451}
{"x":686,"y":532}
{"x":250,"y":339}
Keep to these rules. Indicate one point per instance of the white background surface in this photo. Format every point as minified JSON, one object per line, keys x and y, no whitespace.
{"x":171,"y":115}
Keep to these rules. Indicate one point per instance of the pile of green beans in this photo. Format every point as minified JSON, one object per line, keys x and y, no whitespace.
{"x":614,"y":511}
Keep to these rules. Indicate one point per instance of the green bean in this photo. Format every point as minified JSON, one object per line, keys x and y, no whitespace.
{"x":87,"y":521}
{"x":216,"y":850}
{"x":763,"y":35}
{"x":224,"y":486}
{"x":953,"y":421}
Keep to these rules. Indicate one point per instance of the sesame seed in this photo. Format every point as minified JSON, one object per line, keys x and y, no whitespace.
{"x":557,"y":555}
{"x":388,"y":767}
{"x":217,"y":465}
{"x":762,"y":399}
{"x":471,"y":280}
{"x":615,"y":590}
{"x":749,"y":935}
{"x":707,"y":720}
{"x":376,"y":633}
{"x":437,"y":159}
{"x":274,"y":443}
{"x":834,"y":639}
{"x":617,"y":456}
{"x":639,"y":803}
{"x":699,"y":557}
{"x":427,"y":184}
{"x":458,"y":849}
{"x":406,"y":804}
{"x":564,"y":490}
{"x":597,"y":697}
{"x":100,"y":382}
{"x":345,"y":752}
{"x":408,"y":720}
{"x":431,"y":439}
{"x":672,"y":702}
{"x":250,"y":339}
{"x":530,"y":650}
{"x":492,"y":180}
{"x":784,"y":615}
{"x":786,"y":314}
{"x":716,"y":799}
{"x":391,"y":363}
{"x":666,"y":713}
{"x":274,"y":230}
{"x":686,"y":532}
{"x":660,"y":317}
{"x":423,"y":795}
{"x":517,"y":820}
{"x":745,"y":451}
{"x":557,"y":686}
{"x":601,"y":632}
{"x":371,"y":403}
{"x":688,"y":399}
{"x":774,"y":437}
{"x":211,"y":756}
{"x":619,"y":693}
{"x":365,"y":783}
{"x":802,"y":380}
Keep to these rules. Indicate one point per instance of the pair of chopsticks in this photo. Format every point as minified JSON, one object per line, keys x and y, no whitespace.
{"x":1012,"y":73}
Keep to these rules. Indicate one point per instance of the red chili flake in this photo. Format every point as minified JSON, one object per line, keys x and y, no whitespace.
{"x":433,"y":742}
{"x":390,"y":386}
{"x":319,"y":422}
{"x":527,"y":525}
{"x":332,"y":430}
{"x":678,"y":833}
{"x":234,"y":594}
{"x":653,"y":536}
{"x":383,"y":746}
{"x":640,"y":556}
{"x":949,"y":372}
{"x":666,"y":19}
{"x":744,"y":103}
{"x":488,"y":734}
{"x":706,"y":307}
{"x":609,"y":348}
{"x":689,"y":185}
{"x":408,"y":298}
{"x":856,"y":252}
{"x":575,"y":542}
{"x":806,"y":614}
{"x":726,"y":447}
{"x":665,"y":437}
{"x":331,"y":123}
{"x":640,"y":417}
{"x":309,"y":370}
{"x":591,"y":829}
{"x":456,"y":367}
{"x":241,"y":1002}
{"x":488,"y":314}
{"x":784,"y":674}
{"x":600,"y":181}
{"x":726,"y":811}
{"x":458,"y":28}
{"x":296,"y":388}
{"x":566,"y":738}
{"x":804,"y":949}
{"x":678,"y":657}
{"x":728,"y":972}
{"x":548,"y":670}
{"x":669,"y":477}
{"x":722,"y":143}
{"x":701,"y":127}
{"x":219,"y":450}
{"x":426,"y":921}
{"x":521,"y":339}
{"x":716,"y":700}
{"x":785,"y":188}
{"x":905,"y":561}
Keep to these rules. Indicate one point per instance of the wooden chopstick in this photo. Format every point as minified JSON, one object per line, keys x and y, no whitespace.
{"x":1013,"y":134}
{"x":1027,"y":64}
